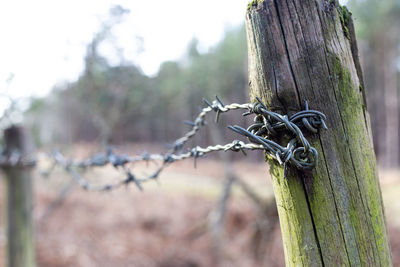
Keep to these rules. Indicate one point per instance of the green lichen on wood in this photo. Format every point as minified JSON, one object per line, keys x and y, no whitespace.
{"x":345,"y":16}
{"x":305,"y":202}
{"x":253,"y":3}
{"x":350,"y":98}
{"x":364,"y":180}
{"x":298,"y":234}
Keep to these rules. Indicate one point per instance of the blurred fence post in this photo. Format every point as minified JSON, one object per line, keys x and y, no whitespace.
{"x":20,"y":230}
{"x":306,"y":50}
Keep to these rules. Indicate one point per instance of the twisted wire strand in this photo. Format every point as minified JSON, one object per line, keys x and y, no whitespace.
{"x":268,"y":125}
{"x":72,"y":166}
{"x":216,"y":106}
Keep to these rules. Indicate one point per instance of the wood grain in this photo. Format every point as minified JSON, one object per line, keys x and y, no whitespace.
{"x":306,"y":50}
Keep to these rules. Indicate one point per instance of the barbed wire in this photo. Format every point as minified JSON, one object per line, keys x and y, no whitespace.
{"x":218,"y":107}
{"x":15,"y":158}
{"x":269,"y":128}
{"x":173,"y":155}
{"x":121,"y":162}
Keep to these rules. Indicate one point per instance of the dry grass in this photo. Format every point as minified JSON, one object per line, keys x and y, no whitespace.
{"x":166,"y":225}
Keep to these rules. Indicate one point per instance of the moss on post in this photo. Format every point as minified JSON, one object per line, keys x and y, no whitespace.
{"x":306,"y":50}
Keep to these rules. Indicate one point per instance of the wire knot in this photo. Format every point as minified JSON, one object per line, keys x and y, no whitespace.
{"x":298,"y":151}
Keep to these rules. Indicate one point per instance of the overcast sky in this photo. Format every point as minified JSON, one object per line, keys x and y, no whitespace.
{"x":43,"y":41}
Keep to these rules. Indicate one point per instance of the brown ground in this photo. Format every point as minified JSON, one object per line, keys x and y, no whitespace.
{"x":166,"y":225}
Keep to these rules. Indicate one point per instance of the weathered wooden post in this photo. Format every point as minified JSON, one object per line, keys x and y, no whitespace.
{"x":20,"y":247}
{"x":306,"y":50}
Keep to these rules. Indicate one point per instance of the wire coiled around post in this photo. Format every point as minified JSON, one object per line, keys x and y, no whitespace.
{"x":268,"y":125}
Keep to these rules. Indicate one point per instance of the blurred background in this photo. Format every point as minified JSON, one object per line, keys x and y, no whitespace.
{"x":86,"y":74}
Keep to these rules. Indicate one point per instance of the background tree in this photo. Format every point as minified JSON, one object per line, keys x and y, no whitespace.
{"x":378,"y":28}
{"x":121,"y":104}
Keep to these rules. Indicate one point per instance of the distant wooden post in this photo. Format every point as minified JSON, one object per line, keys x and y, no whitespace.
{"x":306,"y":50}
{"x":20,"y":247}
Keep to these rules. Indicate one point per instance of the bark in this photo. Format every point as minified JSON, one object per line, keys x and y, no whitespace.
{"x":306,"y":50}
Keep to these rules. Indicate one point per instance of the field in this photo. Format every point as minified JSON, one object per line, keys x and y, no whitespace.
{"x":168,"y":223}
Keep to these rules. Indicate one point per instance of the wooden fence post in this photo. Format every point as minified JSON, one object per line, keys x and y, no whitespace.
{"x":20,"y":247}
{"x":306,"y":50}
